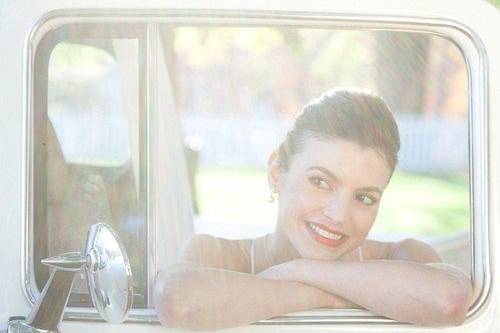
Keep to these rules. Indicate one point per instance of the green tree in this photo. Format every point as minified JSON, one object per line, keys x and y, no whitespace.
{"x":495,"y":2}
{"x":401,"y":61}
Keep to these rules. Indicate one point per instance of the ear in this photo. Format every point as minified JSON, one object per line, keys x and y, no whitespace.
{"x":273,"y":172}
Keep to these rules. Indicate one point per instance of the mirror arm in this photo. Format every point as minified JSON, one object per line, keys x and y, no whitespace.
{"x":48,"y":311}
{"x":102,"y":244}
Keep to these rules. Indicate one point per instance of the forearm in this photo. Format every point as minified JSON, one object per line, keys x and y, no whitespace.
{"x":405,"y":291}
{"x":206,"y":298}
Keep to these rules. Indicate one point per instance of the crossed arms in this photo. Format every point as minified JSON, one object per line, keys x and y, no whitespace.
{"x":203,"y":294}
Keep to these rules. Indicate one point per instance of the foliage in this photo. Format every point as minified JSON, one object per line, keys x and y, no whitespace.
{"x":84,"y":58}
{"x":495,"y":2}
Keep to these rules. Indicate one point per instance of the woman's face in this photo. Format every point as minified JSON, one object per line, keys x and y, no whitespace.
{"x":329,"y":197}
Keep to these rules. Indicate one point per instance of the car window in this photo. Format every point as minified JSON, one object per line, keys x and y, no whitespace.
{"x":231,"y":125}
{"x":89,"y":153}
{"x":164,"y":130}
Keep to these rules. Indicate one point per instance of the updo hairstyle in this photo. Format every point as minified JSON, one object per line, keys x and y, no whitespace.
{"x":351,"y":115}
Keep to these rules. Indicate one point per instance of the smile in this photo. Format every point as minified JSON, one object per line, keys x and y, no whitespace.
{"x":324,"y":236}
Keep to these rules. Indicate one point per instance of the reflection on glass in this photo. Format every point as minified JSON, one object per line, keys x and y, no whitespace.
{"x":92,"y":152}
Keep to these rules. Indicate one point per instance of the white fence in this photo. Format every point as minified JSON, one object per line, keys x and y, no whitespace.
{"x":433,"y":145}
{"x":428,"y":144}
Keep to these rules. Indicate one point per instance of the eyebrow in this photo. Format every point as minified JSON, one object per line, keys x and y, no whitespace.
{"x":331,"y":175}
{"x":371,"y":189}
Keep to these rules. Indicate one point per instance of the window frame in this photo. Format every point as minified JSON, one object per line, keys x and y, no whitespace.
{"x":465,"y":39}
{"x":38,"y":167}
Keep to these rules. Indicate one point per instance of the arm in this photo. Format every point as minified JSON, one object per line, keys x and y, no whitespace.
{"x":200,"y":297}
{"x":206,"y":299}
{"x":416,"y":292}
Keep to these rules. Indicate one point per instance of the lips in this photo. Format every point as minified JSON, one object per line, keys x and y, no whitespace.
{"x":324,"y":235}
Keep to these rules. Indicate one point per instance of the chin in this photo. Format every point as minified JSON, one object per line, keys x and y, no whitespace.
{"x":319,"y":252}
{"x":312,"y":246}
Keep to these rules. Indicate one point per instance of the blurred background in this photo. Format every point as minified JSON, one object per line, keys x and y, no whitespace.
{"x":235,"y":92}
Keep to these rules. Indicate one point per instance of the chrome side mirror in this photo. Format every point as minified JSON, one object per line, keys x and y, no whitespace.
{"x":109,"y":280}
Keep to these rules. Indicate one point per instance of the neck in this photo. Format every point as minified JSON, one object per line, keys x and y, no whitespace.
{"x":279,"y":248}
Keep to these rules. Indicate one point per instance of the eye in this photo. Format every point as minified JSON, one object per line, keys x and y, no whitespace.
{"x":366,"y":199}
{"x":319,"y":182}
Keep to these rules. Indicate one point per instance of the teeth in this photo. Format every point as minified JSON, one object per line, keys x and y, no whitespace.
{"x":325,"y":233}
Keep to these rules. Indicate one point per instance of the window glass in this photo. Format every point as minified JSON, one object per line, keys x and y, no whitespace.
{"x":236,"y":92}
{"x":92,"y":129}
{"x":239,"y":90}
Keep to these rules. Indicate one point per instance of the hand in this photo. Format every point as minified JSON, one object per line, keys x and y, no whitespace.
{"x":94,"y":190}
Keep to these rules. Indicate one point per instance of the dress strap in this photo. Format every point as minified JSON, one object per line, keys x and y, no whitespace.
{"x":252,"y":257}
{"x":360,"y":253}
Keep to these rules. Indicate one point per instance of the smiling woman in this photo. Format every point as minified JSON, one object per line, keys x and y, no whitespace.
{"x":329,"y":175}
{"x":331,"y":171}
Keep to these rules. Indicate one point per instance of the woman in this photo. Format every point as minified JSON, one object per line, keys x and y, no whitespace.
{"x":329,"y":175}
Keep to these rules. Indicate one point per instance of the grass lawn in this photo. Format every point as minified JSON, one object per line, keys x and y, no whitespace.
{"x":413,"y":204}
{"x":424,"y":205}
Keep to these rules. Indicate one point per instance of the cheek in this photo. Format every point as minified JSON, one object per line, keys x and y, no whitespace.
{"x":290,"y":204}
{"x":304,"y":200}
{"x":295,"y":203}
{"x":364,"y":219}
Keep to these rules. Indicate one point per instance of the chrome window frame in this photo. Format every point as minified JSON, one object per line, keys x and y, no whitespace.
{"x":466,"y":40}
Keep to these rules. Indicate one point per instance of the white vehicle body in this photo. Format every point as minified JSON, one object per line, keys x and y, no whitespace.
{"x":472,"y":25}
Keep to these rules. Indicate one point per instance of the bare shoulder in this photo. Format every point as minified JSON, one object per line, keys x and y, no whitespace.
{"x":375,"y":250}
{"x":408,"y":249}
{"x":215,"y":252}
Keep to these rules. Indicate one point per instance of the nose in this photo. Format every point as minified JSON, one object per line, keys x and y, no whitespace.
{"x":337,"y":208}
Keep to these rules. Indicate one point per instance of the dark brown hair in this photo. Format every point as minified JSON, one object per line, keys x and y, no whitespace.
{"x":352,"y":115}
